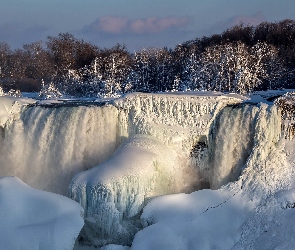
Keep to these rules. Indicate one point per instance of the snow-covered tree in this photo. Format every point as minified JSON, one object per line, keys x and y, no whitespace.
{"x":49,"y":91}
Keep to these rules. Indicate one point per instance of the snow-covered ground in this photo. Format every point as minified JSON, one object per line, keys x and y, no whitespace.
{"x":164,"y":137}
{"x":36,"y":220}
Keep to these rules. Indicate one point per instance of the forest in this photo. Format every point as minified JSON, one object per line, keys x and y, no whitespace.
{"x":242,"y":59}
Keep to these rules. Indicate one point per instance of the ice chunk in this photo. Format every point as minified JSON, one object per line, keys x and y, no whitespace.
{"x":114,"y":192}
{"x":36,"y":220}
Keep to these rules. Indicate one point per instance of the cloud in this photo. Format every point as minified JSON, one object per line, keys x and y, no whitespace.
{"x":157,"y":25}
{"x":254,"y":20}
{"x":120,"y":25}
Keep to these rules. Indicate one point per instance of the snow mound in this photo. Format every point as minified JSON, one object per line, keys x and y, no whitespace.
{"x":207,"y":219}
{"x":36,"y":220}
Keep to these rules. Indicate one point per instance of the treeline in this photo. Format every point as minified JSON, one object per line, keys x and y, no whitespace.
{"x":241,"y":59}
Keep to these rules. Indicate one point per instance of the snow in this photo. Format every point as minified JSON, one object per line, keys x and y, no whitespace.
{"x":36,"y":220}
{"x":207,"y":219}
{"x":11,"y":106}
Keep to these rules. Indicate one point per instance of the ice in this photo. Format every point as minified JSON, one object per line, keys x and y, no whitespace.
{"x":113,"y":193}
{"x":155,"y":160}
{"x":36,"y":220}
{"x":254,"y":212}
{"x":66,"y":138}
{"x":175,"y":119}
{"x":11,"y":107}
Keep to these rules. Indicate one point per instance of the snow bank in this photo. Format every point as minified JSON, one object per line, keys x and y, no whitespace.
{"x":36,"y":220}
{"x":205,"y":219}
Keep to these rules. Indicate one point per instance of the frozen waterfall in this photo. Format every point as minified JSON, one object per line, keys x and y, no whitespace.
{"x":124,"y":153}
{"x":155,"y":160}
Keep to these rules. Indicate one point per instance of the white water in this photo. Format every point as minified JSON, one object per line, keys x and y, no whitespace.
{"x":231,"y":141}
{"x":47,"y":146}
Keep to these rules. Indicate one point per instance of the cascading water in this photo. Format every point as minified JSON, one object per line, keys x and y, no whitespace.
{"x":47,"y":146}
{"x":230,"y":143}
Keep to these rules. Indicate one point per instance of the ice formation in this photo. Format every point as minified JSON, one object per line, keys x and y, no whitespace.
{"x":155,"y":160}
{"x":36,"y":220}
{"x":113,"y":193}
{"x":245,"y":214}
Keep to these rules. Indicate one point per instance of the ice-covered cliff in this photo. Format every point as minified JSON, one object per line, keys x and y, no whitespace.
{"x":246,"y":214}
{"x":158,"y":158}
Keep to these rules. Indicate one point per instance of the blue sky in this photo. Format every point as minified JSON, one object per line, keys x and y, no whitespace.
{"x":138,"y":24}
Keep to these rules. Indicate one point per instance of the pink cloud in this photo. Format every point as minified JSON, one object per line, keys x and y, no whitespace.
{"x":156,"y":25}
{"x":254,"y":20}
{"x":109,"y":24}
{"x":118,"y":25}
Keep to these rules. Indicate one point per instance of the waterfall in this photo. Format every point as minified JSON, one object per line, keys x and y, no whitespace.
{"x":47,"y":146}
{"x":233,"y":137}
{"x":231,"y":143}
{"x":171,"y":144}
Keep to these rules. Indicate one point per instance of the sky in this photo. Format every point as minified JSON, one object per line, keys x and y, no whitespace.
{"x":135,"y":23}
